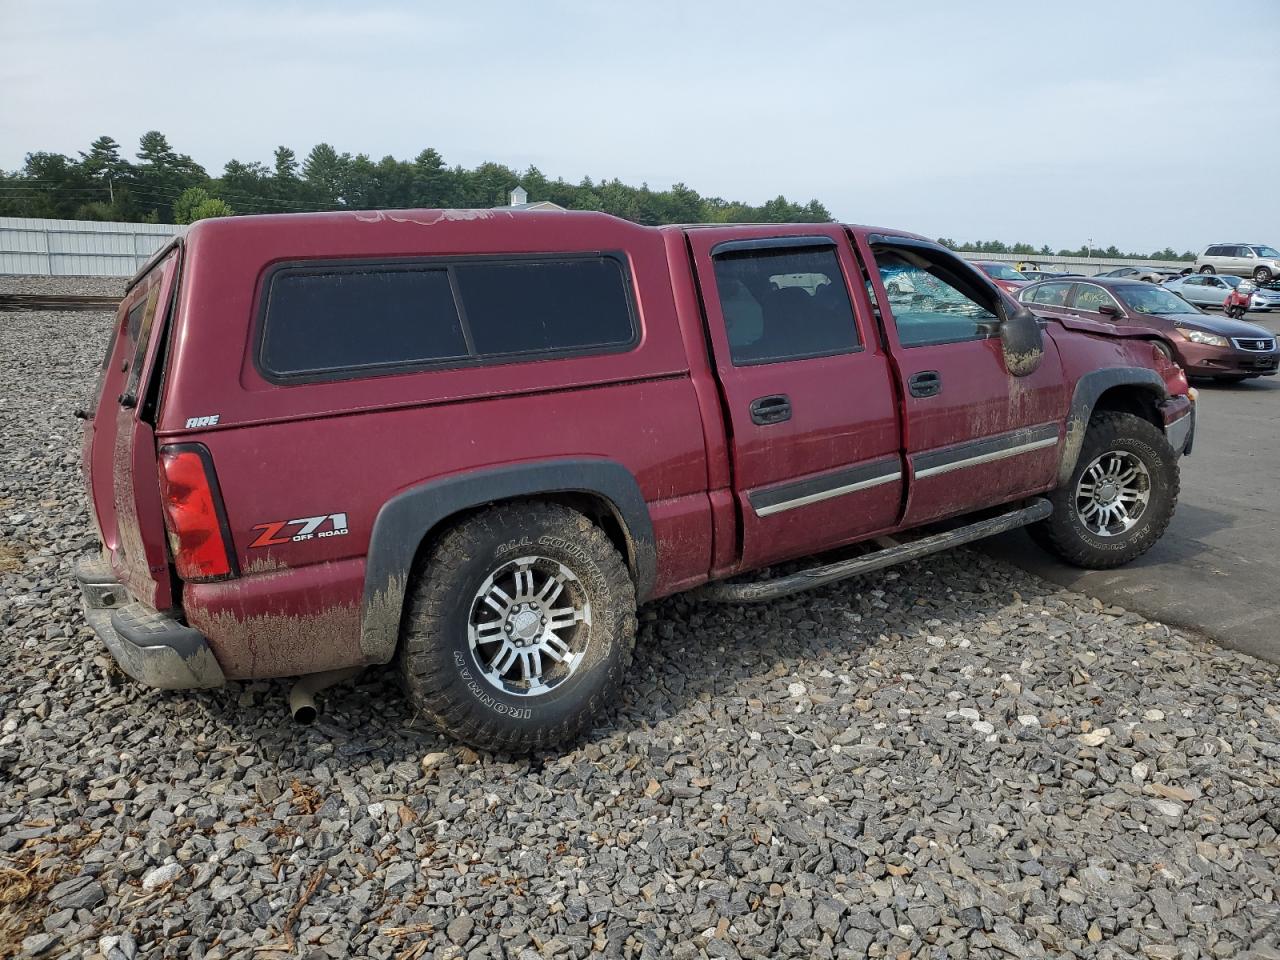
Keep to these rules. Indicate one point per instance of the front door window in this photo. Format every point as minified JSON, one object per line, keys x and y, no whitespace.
{"x":929,"y":310}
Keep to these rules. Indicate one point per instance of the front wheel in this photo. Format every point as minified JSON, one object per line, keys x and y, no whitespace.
{"x":520,"y":627}
{"x":1262,"y":275}
{"x":1207,"y":269}
{"x":1120,"y":497}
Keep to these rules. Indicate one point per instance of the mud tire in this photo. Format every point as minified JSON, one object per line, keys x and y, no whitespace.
{"x":1063,"y":533}
{"x":439,"y":670}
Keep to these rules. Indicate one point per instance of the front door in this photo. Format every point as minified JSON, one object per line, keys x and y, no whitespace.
{"x":975,"y":435}
{"x":808,"y":389}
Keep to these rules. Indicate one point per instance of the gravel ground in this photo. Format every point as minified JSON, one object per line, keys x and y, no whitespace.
{"x":65,"y":286}
{"x":951,"y":760}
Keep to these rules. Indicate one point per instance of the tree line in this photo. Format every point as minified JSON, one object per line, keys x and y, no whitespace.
{"x":163,"y":186}
{"x":1031,"y":251}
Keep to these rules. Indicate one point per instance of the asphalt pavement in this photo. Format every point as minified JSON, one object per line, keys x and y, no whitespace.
{"x":1217,"y":569}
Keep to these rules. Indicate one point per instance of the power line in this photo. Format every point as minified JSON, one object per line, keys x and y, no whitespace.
{"x":167,"y":194}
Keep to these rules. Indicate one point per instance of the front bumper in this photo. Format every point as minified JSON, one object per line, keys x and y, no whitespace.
{"x":1202,"y":360}
{"x":1179,"y":414}
{"x":151,"y":647}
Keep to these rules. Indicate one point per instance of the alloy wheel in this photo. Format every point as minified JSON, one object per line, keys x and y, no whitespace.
{"x":1112,"y":493}
{"x":529,"y":625}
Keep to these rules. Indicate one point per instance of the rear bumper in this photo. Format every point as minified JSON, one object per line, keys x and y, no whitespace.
{"x":151,"y":647}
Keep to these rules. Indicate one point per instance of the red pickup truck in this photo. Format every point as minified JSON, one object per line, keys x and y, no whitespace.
{"x":470,"y":442}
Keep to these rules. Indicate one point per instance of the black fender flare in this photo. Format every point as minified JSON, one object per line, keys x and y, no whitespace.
{"x":1088,"y":389}
{"x":409,"y":517}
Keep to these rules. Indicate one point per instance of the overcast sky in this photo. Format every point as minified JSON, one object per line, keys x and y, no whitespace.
{"x":1052,"y":121}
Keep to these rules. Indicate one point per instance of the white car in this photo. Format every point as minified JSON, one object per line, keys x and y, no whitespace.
{"x":1210,"y":290}
{"x":1255,"y":260}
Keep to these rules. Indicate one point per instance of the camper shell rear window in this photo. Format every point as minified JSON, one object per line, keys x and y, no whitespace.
{"x":346,"y":319}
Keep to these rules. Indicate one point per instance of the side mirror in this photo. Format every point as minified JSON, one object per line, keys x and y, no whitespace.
{"x":1021,"y":340}
{"x":1109,"y":309}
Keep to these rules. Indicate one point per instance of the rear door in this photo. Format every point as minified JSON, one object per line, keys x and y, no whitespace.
{"x":1051,"y":294}
{"x":119,"y":445}
{"x":1215,"y":291}
{"x":807,"y":387}
{"x":1192,"y":289}
{"x":1239,"y":261}
{"x":975,"y":435}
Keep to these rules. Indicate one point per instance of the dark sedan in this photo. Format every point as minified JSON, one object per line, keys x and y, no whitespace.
{"x":1148,"y":274}
{"x":1204,"y":345}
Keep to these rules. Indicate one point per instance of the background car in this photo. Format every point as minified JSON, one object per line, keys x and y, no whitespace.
{"x":1033,"y":275}
{"x":1255,"y":260}
{"x":1148,"y":274}
{"x":1210,"y":290}
{"x":1003,"y":275}
{"x":1205,"y":346}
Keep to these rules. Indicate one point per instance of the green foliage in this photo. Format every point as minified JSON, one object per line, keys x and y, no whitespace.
{"x":196,"y":204}
{"x":159,"y":188}
{"x":212,"y":207}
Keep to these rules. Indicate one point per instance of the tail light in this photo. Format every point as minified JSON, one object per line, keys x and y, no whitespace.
{"x":193,"y":514}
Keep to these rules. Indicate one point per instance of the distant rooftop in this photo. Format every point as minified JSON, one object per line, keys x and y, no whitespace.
{"x":519,"y":200}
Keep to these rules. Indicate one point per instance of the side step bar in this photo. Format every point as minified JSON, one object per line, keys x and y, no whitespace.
{"x":758,"y":591}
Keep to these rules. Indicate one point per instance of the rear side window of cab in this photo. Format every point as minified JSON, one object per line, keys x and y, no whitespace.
{"x":344,"y":320}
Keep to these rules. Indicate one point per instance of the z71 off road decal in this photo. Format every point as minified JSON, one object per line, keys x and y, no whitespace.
{"x":296,"y":531}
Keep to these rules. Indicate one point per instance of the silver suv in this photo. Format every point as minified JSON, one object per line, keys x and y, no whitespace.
{"x":1241,"y":259}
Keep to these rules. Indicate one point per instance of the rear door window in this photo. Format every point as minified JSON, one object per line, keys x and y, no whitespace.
{"x":1050,"y":294}
{"x":785,"y":304}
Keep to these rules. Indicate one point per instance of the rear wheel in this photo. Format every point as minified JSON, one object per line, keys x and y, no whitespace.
{"x":1262,"y":275}
{"x":1120,"y":497}
{"x":1207,"y":269}
{"x":520,"y":627}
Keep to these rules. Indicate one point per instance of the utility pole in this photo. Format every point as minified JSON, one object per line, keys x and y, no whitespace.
{"x":111,"y":190}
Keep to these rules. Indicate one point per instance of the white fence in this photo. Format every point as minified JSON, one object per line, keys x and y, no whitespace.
{"x":78,"y":248}
{"x":1089,"y":266}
